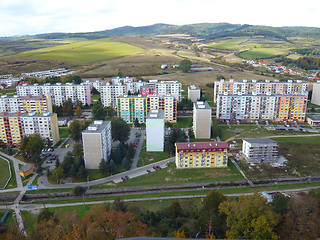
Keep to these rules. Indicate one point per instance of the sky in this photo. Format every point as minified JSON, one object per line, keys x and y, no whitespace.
{"x":29,"y":17}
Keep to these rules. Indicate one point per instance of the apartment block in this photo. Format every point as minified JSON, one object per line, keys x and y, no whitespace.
{"x":58,"y":92}
{"x":202,"y":119}
{"x":315,"y":99}
{"x":109,"y":94}
{"x":131,"y":107}
{"x":259,"y":87}
{"x":194,"y":93}
{"x":201,"y":154}
{"x":155,"y":131}
{"x":97,"y":143}
{"x":260,"y":150}
{"x":12,"y":104}
{"x":147,"y":90}
{"x":17,"y":125}
{"x":169,"y":88}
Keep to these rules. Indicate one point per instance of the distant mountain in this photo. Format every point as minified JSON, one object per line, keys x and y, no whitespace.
{"x":202,"y":30}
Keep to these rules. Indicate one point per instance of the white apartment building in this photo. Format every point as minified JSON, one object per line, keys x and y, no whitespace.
{"x":194,"y":93}
{"x":97,"y":143}
{"x":109,"y":94}
{"x":12,"y":104}
{"x":58,"y":92}
{"x":315,"y":99}
{"x":171,"y":88}
{"x":202,"y":119}
{"x":155,"y":131}
{"x":260,"y":150}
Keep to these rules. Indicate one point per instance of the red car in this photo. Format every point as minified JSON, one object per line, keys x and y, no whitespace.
{"x":123,"y":178}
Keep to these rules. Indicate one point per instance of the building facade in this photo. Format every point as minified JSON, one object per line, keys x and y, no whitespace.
{"x":260,"y":150}
{"x":202,"y":119}
{"x":134,"y":107}
{"x":315,"y":99}
{"x":58,"y":92}
{"x":17,"y":125}
{"x":12,"y":104}
{"x":194,"y":93}
{"x":109,"y":94}
{"x":97,"y":143}
{"x":201,"y":154}
{"x":155,"y":131}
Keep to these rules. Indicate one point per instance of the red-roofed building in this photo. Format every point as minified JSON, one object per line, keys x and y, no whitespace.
{"x":201,"y":154}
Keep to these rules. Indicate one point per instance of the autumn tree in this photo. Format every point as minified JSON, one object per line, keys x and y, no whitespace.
{"x":120,"y":130}
{"x":75,"y":130}
{"x":78,"y":112}
{"x":250,"y":217}
{"x":185,"y":65}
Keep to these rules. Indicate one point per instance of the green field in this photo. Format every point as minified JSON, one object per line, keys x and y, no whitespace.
{"x":4,"y":172}
{"x":261,"y":52}
{"x":183,"y":122}
{"x":83,"y":52}
{"x":146,"y":158}
{"x":229,"y":44}
{"x":300,"y":140}
{"x":63,"y":132}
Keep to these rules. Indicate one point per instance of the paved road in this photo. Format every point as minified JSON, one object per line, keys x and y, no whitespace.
{"x":138,"y":149}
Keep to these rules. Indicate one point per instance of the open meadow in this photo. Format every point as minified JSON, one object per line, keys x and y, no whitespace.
{"x":4,"y":172}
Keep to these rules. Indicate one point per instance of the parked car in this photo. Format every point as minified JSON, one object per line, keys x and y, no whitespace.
{"x":155,"y":168}
{"x":126,"y":177}
{"x":49,"y":161}
{"x":148,"y":171}
{"x":123,"y":178}
{"x":158,"y":167}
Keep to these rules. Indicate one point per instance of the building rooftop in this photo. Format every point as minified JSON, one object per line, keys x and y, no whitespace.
{"x":26,"y":167}
{"x":201,"y":105}
{"x":97,"y":126}
{"x":30,"y":114}
{"x":193,"y":87}
{"x":314,"y":117}
{"x":260,"y":140}
{"x":201,"y":145}
{"x":155,"y":114}
{"x":261,"y":81}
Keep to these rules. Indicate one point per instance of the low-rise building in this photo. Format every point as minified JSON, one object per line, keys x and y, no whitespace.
{"x":194,"y":93}
{"x":155,"y":131}
{"x":27,"y":170}
{"x":313,"y":120}
{"x":97,"y":143}
{"x":201,"y":154}
{"x":202,"y":119}
{"x":260,"y":150}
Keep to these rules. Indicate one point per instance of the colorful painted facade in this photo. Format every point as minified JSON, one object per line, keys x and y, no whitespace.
{"x":201,"y":154}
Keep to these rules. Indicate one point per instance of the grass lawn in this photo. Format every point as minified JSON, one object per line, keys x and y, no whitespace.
{"x":146,"y":158}
{"x":95,"y":174}
{"x":9,"y":220}
{"x":229,"y":44}
{"x":300,"y":140}
{"x":83,"y":52}
{"x":261,"y":52}
{"x":4,"y":172}
{"x":29,"y":220}
{"x":95,"y":96}
{"x":183,"y":122}
{"x":63,"y":132}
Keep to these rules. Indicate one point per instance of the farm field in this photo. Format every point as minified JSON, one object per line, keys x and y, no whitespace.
{"x":83,"y":52}
{"x":261,"y":52}
{"x":4,"y":172}
{"x":229,"y":44}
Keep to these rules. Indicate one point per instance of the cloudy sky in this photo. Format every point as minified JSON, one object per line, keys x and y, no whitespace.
{"x":20,"y":17}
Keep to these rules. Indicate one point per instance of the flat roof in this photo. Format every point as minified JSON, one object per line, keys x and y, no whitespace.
{"x":156,"y":114}
{"x":201,"y":105}
{"x":201,"y":145}
{"x":26,"y":167}
{"x":260,"y":140}
{"x":97,"y":126}
{"x":314,"y":117}
{"x":193,"y":87}
{"x":31,"y":114}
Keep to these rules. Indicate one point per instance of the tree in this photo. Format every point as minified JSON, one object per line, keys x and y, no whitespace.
{"x":119,"y":153}
{"x":94,"y":91}
{"x":98,"y":111}
{"x":120,"y":130}
{"x":79,"y":190}
{"x":67,"y":108}
{"x":110,"y":111}
{"x":136,"y":123}
{"x":125,"y":163}
{"x":175,"y":209}
{"x":215,"y":128}
{"x":32,"y":145}
{"x":185,"y":65}
{"x":119,"y":205}
{"x":176,"y":135}
{"x":112,"y":166}
{"x":179,"y":234}
{"x":78,"y":112}
{"x":250,"y":217}
{"x":120,"y":73}
{"x":75,"y":130}
{"x":44,"y":215}
{"x":2,"y":144}
{"x":103,"y":167}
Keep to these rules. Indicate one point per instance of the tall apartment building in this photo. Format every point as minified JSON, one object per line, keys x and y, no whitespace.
{"x":202,"y":119}
{"x":97,"y":143}
{"x":131,"y":107}
{"x":58,"y":92}
{"x":277,"y":108}
{"x":260,"y":150}
{"x":12,"y":104}
{"x":110,"y":92}
{"x":201,"y":154}
{"x":169,"y":88}
{"x":17,"y":125}
{"x":315,"y":99}
{"x":147,"y":90}
{"x":245,"y":87}
{"x":155,"y":131}
{"x":194,"y":93}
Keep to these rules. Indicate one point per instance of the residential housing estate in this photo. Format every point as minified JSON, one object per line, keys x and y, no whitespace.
{"x":254,"y":101}
{"x":201,"y":154}
{"x":260,"y":150}
{"x":97,"y":143}
{"x":14,"y":126}
{"x":202,"y":119}
{"x":58,"y":92}
{"x":194,"y":93}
